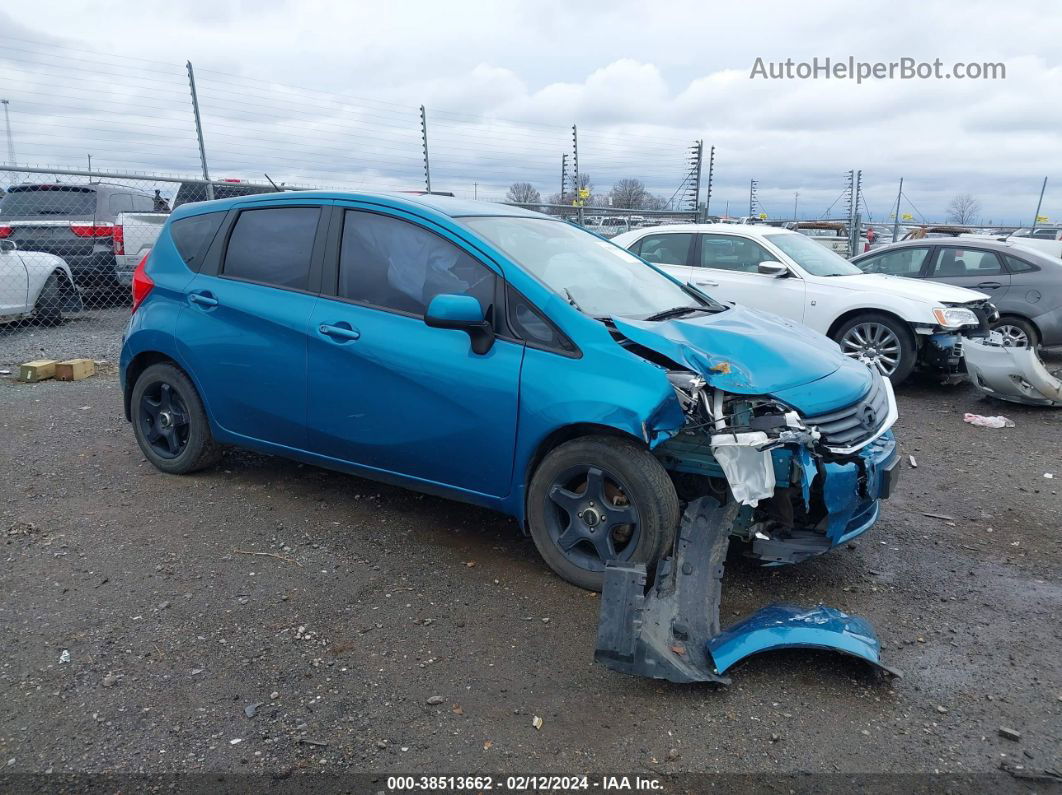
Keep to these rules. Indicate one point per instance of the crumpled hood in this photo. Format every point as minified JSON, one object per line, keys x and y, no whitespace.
{"x":748,"y":352}
{"x":921,"y":290}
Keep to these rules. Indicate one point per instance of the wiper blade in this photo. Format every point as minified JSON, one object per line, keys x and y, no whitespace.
{"x":677,"y":311}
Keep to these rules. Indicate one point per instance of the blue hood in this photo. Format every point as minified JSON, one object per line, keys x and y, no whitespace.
{"x":747,"y":352}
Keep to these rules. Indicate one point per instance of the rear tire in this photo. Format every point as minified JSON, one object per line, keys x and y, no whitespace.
{"x":48,"y":311}
{"x":580,"y":496}
{"x":169,"y":421}
{"x":880,"y":341}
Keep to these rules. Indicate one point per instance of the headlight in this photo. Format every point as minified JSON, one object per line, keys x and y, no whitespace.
{"x":954,"y":317}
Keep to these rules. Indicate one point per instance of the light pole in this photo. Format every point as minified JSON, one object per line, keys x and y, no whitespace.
{"x":10,"y":139}
{"x":796,"y":198}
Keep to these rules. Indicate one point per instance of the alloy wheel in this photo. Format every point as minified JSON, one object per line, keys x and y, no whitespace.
{"x":874,"y":344}
{"x":1013,"y":336}
{"x":592,"y":519}
{"x":164,"y":420}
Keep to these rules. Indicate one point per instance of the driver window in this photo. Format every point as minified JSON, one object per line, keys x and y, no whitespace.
{"x":732,"y":253}
{"x":395,"y":264}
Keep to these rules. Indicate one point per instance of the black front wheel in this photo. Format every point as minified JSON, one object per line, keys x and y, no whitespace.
{"x":169,"y":422}
{"x":598,"y":499}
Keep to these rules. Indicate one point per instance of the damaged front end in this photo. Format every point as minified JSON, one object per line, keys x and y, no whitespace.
{"x":670,"y":630}
{"x":805,"y":484}
{"x":1012,"y":374}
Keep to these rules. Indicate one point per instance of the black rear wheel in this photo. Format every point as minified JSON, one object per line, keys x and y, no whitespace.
{"x":48,"y":310}
{"x":169,"y":421}
{"x":599,"y":499}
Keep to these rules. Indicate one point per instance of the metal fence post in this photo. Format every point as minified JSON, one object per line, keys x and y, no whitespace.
{"x":10,"y":139}
{"x":199,"y":133}
{"x":896,"y":217}
{"x":575,"y":171}
{"x":424,"y":142}
{"x":711,"y":174}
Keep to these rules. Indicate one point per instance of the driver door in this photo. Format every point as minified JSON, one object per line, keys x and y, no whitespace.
{"x":386,"y":391}
{"x":726,"y":269}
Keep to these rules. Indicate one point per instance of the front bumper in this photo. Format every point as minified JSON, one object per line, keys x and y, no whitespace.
{"x":1013,"y":374}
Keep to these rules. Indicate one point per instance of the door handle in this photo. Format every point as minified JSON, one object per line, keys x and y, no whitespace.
{"x":989,"y":285}
{"x":706,"y":284}
{"x":203,"y":299}
{"x":341,"y":332}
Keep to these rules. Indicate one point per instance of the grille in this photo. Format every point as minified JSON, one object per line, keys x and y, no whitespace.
{"x":853,"y":424}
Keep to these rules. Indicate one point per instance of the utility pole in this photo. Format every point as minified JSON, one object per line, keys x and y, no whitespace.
{"x":711,"y":170}
{"x":1039,"y":204}
{"x":199,"y":134}
{"x":896,"y":217}
{"x":752,"y":196}
{"x":796,"y":198}
{"x":10,"y":139}
{"x":90,"y":161}
{"x":475,"y":190}
{"x":575,"y":170}
{"x":424,"y":143}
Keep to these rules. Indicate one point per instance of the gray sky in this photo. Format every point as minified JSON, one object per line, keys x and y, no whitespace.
{"x":328,"y":93}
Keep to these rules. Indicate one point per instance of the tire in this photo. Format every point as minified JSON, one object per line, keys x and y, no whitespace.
{"x":1019,"y":331}
{"x":48,"y":311}
{"x":889,"y":344}
{"x":169,"y":421}
{"x":574,"y":514}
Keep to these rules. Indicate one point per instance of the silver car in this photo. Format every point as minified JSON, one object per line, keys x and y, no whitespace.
{"x":1025,"y":285}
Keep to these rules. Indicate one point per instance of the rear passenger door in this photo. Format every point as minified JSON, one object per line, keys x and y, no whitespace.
{"x":386,"y":391}
{"x":242,"y":331}
{"x":971,"y":267}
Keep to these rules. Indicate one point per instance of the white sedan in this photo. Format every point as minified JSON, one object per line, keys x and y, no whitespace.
{"x":888,"y":322}
{"x":35,"y":285}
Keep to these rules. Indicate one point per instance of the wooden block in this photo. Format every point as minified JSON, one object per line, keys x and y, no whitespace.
{"x":37,"y":370}
{"x":74,"y":369}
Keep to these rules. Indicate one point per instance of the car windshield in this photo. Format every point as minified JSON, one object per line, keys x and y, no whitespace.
{"x":813,"y":257}
{"x":599,"y":278}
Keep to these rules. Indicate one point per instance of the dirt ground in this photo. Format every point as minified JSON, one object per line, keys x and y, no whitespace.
{"x":267,"y":616}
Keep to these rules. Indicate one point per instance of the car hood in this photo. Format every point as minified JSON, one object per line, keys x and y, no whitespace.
{"x":747,"y":352}
{"x":916,"y":289}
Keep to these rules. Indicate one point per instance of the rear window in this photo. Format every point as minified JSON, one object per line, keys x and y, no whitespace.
{"x":273,"y":246}
{"x":48,"y":200}
{"x":192,"y":236}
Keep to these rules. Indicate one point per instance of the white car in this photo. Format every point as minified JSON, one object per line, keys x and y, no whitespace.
{"x":35,"y":285}
{"x":888,"y":322}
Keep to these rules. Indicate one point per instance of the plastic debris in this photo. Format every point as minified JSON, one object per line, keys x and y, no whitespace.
{"x":914,"y":464}
{"x":64,"y":657}
{"x":537,"y":722}
{"x":988,"y":422}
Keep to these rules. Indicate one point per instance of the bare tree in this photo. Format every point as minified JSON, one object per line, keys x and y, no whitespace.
{"x":629,"y":194}
{"x":523,"y":193}
{"x":963,"y":209}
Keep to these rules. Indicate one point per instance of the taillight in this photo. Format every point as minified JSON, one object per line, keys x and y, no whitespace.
{"x":142,"y":283}
{"x":119,"y":239}
{"x":92,"y":230}
{"x":6,"y":231}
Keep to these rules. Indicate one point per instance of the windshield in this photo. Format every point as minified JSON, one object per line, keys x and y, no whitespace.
{"x":813,"y":257}
{"x":600,"y":278}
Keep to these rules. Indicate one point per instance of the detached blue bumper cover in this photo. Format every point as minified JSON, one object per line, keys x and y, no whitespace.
{"x":791,"y":627}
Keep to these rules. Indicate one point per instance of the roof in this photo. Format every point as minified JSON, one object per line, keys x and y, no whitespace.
{"x":748,"y":230}
{"x":988,"y":243}
{"x":445,"y":205}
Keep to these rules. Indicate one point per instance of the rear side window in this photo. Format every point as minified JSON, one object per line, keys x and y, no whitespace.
{"x":954,"y":261}
{"x":48,"y":200}
{"x":192,"y":236}
{"x":273,"y":246}
{"x":1015,"y":265}
{"x":121,"y":203}
{"x":398,"y":265}
{"x":673,"y":249}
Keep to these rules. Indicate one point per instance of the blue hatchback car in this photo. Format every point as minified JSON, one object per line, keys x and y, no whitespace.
{"x":501,"y":357}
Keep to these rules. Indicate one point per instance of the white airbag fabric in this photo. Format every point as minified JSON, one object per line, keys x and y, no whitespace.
{"x":750,"y":472}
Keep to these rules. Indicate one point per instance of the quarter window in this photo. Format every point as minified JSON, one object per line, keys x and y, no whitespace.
{"x":899,"y":262}
{"x":273,"y":246}
{"x":732,"y":253}
{"x":193,"y":235}
{"x":673,"y":249}
{"x":1015,"y":265}
{"x":398,"y":265}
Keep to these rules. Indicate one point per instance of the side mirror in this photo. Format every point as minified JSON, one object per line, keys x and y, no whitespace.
{"x":461,"y":313}
{"x":772,"y":268}
{"x":8,"y":245}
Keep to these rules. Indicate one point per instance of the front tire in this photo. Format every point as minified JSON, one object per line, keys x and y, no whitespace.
{"x":169,"y":421}
{"x":879,"y":341}
{"x":600,"y":498}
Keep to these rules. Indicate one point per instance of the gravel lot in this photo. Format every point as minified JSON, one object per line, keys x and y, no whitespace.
{"x":267,"y":616}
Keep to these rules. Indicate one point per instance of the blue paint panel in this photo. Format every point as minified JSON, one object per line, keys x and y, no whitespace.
{"x":789,"y":627}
